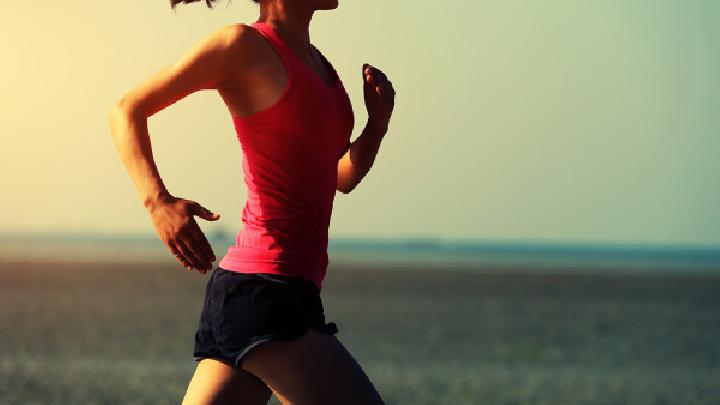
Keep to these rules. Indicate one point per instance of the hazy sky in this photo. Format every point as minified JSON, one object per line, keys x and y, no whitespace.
{"x":532,"y":120}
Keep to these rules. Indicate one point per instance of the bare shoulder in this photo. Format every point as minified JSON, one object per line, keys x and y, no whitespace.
{"x":233,"y":34}
{"x":242,"y":45}
{"x":243,"y":40}
{"x":215,"y":61}
{"x":228,"y":39}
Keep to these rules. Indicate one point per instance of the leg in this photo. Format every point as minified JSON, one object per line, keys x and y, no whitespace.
{"x":218,"y":383}
{"x":314,"y":369}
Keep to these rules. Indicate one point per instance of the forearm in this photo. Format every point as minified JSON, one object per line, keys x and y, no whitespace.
{"x":360,"y":157}
{"x":132,"y":141}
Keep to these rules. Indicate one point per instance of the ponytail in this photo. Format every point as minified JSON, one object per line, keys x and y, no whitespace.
{"x":174,"y":3}
{"x":209,"y":3}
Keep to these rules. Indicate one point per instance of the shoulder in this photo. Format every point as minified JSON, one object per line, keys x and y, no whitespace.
{"x":226,"y":49}
{"x":228,"y":37}
{"x":234,"y":33}
{"x":239,"y":41}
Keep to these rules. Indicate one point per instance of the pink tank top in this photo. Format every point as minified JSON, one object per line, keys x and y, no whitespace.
{"x":290,"y":155}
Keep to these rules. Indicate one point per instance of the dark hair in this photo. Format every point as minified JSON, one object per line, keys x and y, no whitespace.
{"x":209,"y":3}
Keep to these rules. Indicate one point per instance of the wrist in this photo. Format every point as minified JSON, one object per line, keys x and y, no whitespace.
{"x":154,"y":199}
{"x":377,"y":128}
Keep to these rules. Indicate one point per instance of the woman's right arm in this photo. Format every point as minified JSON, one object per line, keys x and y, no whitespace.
{"x":209,"y":64}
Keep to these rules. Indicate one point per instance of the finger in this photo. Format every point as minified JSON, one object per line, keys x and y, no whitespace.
{"x":375,"y":80}
{"x":205,"y":244}
{"x":382,"y":89}
{"x":379,"y":81}
{"x":368,"y":86}
{"x":188,"y":253}
{"x":378,"y":74}
{"x":178,"y":254}
{"x":183,"y":258}
{"x":369,"y":74}
{"x":203,"y":262}
{"x":381,"y":75}
{"x":369,"y":79}
{"x":203,"y":212}
{"x":195,"y":240}
{"x":366,"y":69}
{"x":197,"y":249}
{"x":376,"y":84}
{"x":203,"y":247}
{"x":390,"y":91}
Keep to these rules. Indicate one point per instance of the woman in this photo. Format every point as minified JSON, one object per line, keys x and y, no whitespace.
{"x":262,"y":328}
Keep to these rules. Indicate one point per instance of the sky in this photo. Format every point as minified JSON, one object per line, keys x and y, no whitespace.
{"x":561,"y":120}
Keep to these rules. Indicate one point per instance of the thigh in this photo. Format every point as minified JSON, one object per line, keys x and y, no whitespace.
{"x":313,"y":369}
{"x":215,"y":382}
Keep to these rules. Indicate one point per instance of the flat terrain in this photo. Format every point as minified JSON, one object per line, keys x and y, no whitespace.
{"x":79,"y":333}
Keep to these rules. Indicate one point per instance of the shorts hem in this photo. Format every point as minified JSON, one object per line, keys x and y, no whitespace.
{"x":236,"y":360}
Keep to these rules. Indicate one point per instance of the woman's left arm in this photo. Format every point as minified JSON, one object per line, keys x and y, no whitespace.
{"x":360,"y":156}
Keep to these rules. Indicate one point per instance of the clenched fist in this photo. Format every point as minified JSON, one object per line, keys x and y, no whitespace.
{"x":379,"y":96}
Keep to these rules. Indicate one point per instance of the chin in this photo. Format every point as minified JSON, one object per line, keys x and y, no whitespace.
{"x":326,"y":4}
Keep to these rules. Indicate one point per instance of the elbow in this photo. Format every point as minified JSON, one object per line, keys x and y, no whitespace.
{"x":121,"y":105}
{"x":117,"y":111}
{"x":346,"y":180}
{"x":120,"y":115}
{"x":121,"y":110}
{"x":114,"y":116}
{"x":345,"y":188}
{"x":114,"y":113}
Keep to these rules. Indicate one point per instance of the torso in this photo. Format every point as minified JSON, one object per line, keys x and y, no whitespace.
{"x":292,"y":126}
{"x":256,"y":85}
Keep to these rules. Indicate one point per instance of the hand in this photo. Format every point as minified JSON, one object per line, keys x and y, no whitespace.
{"x":379,"y":96}
{"x":174,"y":223}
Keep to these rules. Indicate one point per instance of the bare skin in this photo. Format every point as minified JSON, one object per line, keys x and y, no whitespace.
{"x":315,"y":369}
{"x":215,"y":382}
{"x":241,"y":66}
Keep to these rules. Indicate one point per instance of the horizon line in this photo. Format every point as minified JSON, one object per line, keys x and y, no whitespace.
{"x":408,"y":240}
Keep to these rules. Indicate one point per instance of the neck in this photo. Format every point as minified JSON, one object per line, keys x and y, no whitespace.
{"x":291,"y":20}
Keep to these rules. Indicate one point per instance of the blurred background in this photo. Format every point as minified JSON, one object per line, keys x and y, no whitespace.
{"x":541,"y":225}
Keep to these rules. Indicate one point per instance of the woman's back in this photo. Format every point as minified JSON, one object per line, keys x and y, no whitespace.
{"x":290,"y":151}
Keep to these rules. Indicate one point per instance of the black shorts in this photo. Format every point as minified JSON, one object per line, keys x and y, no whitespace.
{"x":241,"y":311}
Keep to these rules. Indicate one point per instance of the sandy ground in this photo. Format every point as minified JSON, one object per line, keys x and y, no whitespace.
{"x":122,"y":333}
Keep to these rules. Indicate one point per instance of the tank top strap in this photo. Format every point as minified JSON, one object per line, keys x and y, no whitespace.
{"x":292,"y":62}
{"x":280,"y":47}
